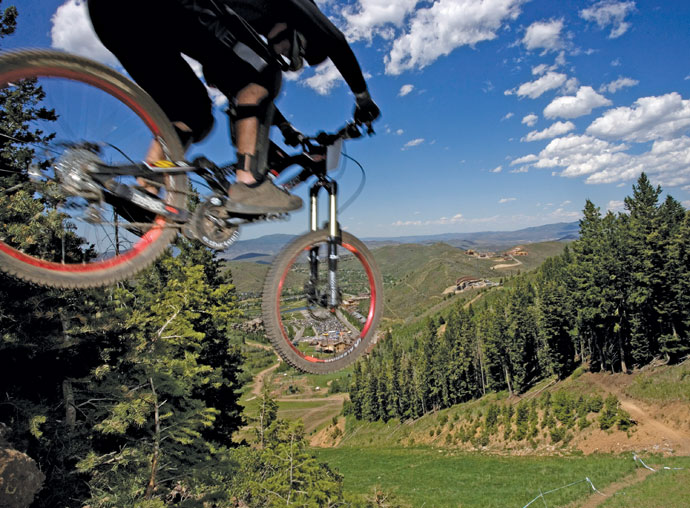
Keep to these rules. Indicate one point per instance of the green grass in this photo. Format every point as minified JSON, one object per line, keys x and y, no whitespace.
{"x":664,"y":384}
{"x":667,"y":488}
{"x":429,"y":477}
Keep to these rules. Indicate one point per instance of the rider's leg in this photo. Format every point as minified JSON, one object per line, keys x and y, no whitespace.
{"x":250,"y":122}
{"x":156,"y":153}
{"x":247,"y":130}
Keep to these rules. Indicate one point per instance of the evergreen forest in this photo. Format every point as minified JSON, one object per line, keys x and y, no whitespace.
{"x":616,"y":299}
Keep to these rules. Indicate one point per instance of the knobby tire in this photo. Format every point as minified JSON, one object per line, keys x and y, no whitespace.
{"x":272,"y":310}
{"x":27,"y":64}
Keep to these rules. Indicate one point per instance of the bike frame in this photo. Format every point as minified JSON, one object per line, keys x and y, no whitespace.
{"x":314,"y":161}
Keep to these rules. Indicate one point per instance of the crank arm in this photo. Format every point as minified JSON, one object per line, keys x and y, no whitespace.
{"x":147,"y":202}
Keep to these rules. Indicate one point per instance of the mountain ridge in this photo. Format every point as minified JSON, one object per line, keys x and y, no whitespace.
{"x":270,"y":245}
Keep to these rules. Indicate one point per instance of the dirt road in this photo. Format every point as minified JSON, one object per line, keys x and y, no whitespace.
{"x":650,"y":432}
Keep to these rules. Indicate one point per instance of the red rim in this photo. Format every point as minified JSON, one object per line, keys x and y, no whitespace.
{"x":370,"y":315}
{"x":147,"y":239}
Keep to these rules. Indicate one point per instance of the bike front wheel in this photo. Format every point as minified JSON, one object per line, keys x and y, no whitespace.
{"x":62,"y":114}
{"x":308,"y":332}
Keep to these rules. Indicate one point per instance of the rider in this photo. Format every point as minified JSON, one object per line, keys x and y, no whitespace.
{"x":150,"y":36}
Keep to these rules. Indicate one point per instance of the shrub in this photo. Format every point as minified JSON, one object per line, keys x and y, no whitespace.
{"x":608,"y":416}
{"x":558,"y":434}
{"x":521,"y":421}
{"x":491,"y":418}
{"x":563,"y":408}
{"x":545,"y":400}
{"x":595,"y":403}
{"x":481,"y":441}
{"x":625,"y":422}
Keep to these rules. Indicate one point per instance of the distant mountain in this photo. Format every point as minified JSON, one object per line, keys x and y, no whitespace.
{"x":265,"y":247}
{"x":497,"y":240}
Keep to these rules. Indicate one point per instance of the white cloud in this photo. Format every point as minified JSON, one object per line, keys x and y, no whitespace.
{"x":405,"y":89}
{"x":541,"y":69}
{"x":527,"y":159}
{"x":400,"y":132}
{"x":537,"y":88}
{"x":325,"y":78}
{"x":618,"y":84}
{"x":72,"y":32}
{"x":555,"y":130}
{"x":616,"y":62}
{"x":530,"y":120}
{"x":413,"y":142}
{"x":506,"y":200}
{"x":545,"y":35}
{"x":497,"y":169}
{"x":524,"y":169}
{"x":367,"y":18}
{"x":575,"y":106}
{"x":571,"y":86}
{"x":600,"y":161}
{"x":649,"y":118}
{"x":508,"y":116}
{"x":615,"y":206}
{"x":610,"y":12}
{"x":437,"y":30}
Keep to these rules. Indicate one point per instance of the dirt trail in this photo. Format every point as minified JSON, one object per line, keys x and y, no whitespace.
{"x":329,"y":406}
{"x":596,"y":499}
{"x":505,"y":265}
{"x":650,"y":432}
{"x":259,"y":379}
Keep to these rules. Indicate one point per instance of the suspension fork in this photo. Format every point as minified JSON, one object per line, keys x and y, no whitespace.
{"x":332,"y":298}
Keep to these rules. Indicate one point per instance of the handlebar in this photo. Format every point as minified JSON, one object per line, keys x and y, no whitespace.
{"x":349,"y":131}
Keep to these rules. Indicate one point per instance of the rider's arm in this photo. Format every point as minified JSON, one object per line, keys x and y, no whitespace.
{"x":324,"y":40}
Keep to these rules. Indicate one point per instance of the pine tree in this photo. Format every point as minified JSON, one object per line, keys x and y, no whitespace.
{"x":645,"y":275}
{"x":149,"y":426}
{"x":555,"y":316}
{"x":522,"y":336}
{"x":677,"y":343}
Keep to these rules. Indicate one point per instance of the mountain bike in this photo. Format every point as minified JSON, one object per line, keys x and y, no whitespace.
{"x":71,"y":184}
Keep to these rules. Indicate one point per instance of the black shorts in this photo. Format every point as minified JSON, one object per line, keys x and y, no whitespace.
{"x":149,"y":37}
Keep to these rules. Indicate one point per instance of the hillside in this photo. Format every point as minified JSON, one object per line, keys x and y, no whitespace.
{"x":416,"y":275}
{"x":657,"y":400}
{"x":447,"y":459}
{"x":266,"y":247}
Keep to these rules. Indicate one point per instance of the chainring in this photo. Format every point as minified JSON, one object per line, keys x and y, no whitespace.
{"x":210,"y":226}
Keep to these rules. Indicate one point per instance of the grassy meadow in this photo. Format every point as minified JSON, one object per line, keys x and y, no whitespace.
{"x":430,"y":477}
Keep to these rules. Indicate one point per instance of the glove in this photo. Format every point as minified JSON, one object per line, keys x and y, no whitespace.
{"x":366,"y":110}
{"x":291,"y":136}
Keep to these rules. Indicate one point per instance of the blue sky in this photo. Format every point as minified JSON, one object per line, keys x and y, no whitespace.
{"x":497,"y":114}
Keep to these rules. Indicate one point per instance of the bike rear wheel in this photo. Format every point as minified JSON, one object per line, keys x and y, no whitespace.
{"x":80,"y":111}
{"x":312,"y":337}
